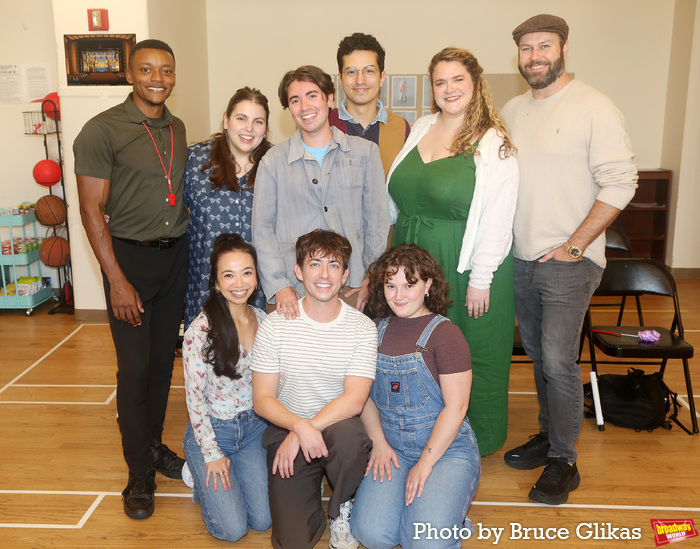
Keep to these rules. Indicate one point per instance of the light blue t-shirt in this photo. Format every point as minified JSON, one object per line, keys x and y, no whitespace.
{"x":318,"y":153}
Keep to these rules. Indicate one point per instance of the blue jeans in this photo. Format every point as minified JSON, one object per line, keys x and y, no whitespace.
{"x":229,"y":514}
{"x":381,"y":520}
{"x":409,"y":401}
{"x":551,"y":299}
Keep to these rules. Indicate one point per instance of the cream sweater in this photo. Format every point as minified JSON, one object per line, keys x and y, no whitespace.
{"x":573,"y":149}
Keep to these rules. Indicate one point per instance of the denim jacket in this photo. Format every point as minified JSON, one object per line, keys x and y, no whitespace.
{"x":295,"y":195}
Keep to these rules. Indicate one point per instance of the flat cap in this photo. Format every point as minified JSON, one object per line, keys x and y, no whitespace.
{"x":542,"y":23}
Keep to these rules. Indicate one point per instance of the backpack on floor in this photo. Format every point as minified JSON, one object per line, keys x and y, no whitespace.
{"x":634,"y":400}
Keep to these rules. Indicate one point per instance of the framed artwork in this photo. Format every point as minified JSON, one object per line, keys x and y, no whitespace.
{"x":384,"y":93}
{"x":339,"y":92}
{"x":410,"y":116}
{"x":97,"y":60}
{"x":403,"y":92}
{"x":427,"y":93}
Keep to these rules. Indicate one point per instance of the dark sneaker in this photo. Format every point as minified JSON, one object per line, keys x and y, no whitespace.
{"x":556,"y":481}
{"x":166,"y":461}
{"x":530,"y":455}
{"x":139,"y":495}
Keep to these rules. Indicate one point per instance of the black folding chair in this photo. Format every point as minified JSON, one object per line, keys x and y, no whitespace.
{"x":616,"y":239}
{"x":636,"y":277}
{"x":518,"y":349}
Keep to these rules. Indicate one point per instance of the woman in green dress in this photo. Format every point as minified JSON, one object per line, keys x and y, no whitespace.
{"x":453,"y":190}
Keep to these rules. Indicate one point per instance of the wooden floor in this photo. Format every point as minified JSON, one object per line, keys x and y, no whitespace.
{"x":62,"y":472}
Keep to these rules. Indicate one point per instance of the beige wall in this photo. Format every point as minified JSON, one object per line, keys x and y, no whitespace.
{"x":183,"y":25}
{"x":624,"y":47}
{"x":685,"y":251}
{"x":610,"y":47}
{"x":26,"y":38}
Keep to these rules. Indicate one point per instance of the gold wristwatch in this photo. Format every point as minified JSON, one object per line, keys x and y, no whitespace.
{"x":574,"y":251}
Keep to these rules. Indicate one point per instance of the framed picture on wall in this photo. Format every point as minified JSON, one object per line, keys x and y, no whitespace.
{"x":410,"y":116}
{"x":427,"y":93}
{"x":97,"y":60}
{"x":403,"y":92}
{"x":384,"y":93}
{"x":339,"y":93}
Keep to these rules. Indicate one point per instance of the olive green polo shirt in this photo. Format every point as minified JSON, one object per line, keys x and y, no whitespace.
{"x":115,"y":145}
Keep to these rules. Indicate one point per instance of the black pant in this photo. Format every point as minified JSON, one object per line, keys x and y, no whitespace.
{"x":145,"y":353}
{"x":298,"y":520}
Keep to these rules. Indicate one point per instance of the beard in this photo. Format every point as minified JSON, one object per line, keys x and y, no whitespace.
{"x":541,"y":81}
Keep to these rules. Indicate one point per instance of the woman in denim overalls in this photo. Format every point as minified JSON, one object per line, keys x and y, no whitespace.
{"x":425,"y":466}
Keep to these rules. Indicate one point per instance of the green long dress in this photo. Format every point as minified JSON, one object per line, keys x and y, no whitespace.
{"x":434,"y":200}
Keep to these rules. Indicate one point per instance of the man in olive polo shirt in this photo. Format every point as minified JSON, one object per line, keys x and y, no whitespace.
{"x":130,"y":162}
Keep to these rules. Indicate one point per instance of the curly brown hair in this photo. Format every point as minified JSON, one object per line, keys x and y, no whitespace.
{"x":417,"y":263}
{"x":481,"y":114}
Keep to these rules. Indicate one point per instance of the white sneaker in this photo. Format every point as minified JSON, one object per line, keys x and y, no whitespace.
{"x":187,"y":476}
{"x":341,"y":538}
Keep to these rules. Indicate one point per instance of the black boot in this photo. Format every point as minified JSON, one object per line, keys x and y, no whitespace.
{"x":139,"y":495}
{"x":166,"y":461}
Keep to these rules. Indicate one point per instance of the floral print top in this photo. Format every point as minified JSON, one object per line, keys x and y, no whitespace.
{"x":211,"y":213}
{"x":208,"y":394}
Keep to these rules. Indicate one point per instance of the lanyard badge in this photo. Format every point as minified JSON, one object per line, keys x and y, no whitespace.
{"x":171,"y":195}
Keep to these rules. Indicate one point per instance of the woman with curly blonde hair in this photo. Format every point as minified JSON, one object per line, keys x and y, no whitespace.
{"x":453,"y":190}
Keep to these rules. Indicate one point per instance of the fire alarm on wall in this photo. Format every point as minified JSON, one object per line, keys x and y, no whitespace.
{"x":98,"y":20}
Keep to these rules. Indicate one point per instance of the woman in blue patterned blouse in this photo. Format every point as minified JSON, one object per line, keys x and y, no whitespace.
{"x":219,"y":184}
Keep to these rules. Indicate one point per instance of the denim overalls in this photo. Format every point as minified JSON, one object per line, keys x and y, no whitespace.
{"x":409,"y":401}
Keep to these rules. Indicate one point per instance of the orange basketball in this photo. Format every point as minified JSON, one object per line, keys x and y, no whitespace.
{"x":51,"y":210}
{"x":55,"y":251}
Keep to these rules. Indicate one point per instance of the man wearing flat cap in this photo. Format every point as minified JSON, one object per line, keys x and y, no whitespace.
{"x":577,"y":172}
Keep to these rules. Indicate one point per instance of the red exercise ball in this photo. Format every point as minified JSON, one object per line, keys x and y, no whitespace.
{"x":50,"y":210}
{"x":55,"y":251}
{"x":47,"y":172}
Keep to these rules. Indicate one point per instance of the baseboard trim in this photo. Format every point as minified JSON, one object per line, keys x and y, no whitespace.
{"x":686,"y":274}
{"x":91,"y":316}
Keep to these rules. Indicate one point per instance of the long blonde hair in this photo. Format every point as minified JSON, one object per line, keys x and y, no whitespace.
{"x":480,"y":114}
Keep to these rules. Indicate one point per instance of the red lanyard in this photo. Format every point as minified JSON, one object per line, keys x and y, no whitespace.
{"x":171,"y":196}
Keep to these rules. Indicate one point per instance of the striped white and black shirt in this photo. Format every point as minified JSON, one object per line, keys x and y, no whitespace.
{"x":313,"y":358}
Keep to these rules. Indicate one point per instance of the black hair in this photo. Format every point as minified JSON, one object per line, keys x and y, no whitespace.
{"x":150,"y":44}
{"x":360,"y":41}
{"x":221,"y":348}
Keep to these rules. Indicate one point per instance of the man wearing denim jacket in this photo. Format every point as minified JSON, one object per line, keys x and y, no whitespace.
{"x":320,"y":178}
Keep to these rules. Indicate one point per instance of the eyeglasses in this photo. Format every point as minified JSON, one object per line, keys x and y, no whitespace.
{"x":369,"y":72}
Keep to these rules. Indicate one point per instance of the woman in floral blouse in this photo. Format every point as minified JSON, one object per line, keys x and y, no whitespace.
{"x":222,"y":440}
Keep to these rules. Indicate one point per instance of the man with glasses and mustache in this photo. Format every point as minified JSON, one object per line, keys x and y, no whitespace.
{"x":577,"y":172}
{"x":361,"y":75}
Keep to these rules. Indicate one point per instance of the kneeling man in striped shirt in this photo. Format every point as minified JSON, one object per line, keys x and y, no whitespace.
{"x":311,"y":378}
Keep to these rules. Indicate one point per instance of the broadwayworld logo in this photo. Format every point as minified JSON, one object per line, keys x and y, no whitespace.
{"x":670,"y":531}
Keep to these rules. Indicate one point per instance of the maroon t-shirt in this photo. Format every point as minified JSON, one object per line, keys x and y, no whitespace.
{"x":446,"y":352}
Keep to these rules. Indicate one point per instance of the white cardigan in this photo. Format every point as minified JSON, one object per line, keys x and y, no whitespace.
{"x":489,"y":233}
